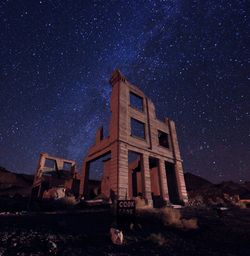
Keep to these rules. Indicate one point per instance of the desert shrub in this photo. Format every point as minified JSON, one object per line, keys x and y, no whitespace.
{"x":171,"y":216}
{"x":190,"y":224}
{"x":242,"y":205}
{"x":168,"y":217}
{"x":68,"y":201}
{"x":158,"y":239}
{"x":196,"y":201}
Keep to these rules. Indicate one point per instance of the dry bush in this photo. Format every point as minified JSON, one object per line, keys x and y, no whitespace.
{"x":68,"y":200}
{"x":148,"y":213}
{"x":171,"y":216}
{"x":190,"y":224}
{"x":242,"y":205}
{"x":158,"y":239}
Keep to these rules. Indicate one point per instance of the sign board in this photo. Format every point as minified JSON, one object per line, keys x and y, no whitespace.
{"x":126,"y":208}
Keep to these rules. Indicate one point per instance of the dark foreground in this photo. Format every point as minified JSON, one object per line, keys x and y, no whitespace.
{"x":87,"y":233}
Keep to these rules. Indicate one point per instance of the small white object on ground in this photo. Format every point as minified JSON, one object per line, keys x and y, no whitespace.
{"x":176,"y":206}
{"x":223,"y":208}
{"x":116,"y":236}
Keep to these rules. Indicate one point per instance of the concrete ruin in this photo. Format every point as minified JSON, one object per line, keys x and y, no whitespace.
{"x":54,"y":177}
{"x":141,"y":155}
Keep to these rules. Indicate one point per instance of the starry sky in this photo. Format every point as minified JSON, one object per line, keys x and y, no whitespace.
{"x":190,"y":57}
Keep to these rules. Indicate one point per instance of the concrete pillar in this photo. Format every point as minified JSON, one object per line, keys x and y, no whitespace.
{"x":123,"y":171}
{"x":163,"y":179}
{"x":59,"y":163}
{"x":178,"y":162}
{"x":146,"y":179}
{"x":181,"y":182}
{"x":113,"y":178}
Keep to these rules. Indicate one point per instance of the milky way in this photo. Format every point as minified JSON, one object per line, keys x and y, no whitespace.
{"x":190,"y":57}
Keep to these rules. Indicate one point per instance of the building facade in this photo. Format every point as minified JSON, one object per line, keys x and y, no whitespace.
{"x":143,"y":156}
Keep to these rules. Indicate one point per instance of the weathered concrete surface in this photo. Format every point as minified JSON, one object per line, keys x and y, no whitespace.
{"x":121,"y":141}
{"x":54,"y":176}
{"x":79,"y":233}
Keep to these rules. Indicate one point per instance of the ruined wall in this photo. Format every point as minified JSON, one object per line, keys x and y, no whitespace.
{"x":54,"y":175}
{"x":121,"y":141}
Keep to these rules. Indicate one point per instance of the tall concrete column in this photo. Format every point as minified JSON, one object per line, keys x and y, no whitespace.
{"x":123,"y":171}
{"x":178,"y":162}
{"x":181,"y":182}
{"x":163,"y":179}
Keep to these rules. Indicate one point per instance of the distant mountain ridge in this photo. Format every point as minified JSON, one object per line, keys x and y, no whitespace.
{"x":197,"y":183}
{"x":204,"y":193}
{"x":12,"y":183}
{"x":194,"y":182}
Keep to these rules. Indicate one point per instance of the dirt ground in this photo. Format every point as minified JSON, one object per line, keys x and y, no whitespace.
{"x":87,"y":233}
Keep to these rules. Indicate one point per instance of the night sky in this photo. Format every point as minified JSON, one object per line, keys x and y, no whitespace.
{"x":190,"y":57}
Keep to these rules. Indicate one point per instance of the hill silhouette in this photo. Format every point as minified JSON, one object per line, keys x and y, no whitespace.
{"x":12,"y":184}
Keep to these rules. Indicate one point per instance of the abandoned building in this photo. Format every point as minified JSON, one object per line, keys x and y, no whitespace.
{"x":54,"y":177}
{"x":140,"y":156}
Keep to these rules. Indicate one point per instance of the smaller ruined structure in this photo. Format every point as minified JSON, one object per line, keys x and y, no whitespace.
{"x":55,"y":177}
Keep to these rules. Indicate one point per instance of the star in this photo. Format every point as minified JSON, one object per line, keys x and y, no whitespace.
{"x":189,"y":58}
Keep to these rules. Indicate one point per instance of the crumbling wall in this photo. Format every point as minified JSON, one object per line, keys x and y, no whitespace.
{"x":135,"y":128}
{"x":60,"y":174}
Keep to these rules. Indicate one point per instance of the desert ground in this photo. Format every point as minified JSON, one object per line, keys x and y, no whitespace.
{"x":86,"y":232}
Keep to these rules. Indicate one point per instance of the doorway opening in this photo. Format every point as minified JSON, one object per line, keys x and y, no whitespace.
{"x":97,"y":173}
{"x":135,"y":170}
{"x":172,"y":183}
{"x":155,"y":182}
